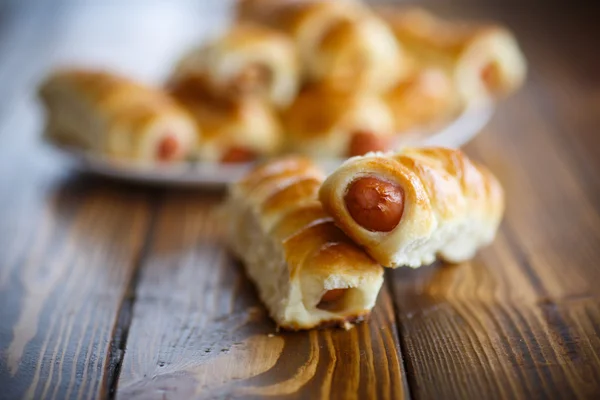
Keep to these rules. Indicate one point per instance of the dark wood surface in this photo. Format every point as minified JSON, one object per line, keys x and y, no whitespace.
{"x":109,"y":289}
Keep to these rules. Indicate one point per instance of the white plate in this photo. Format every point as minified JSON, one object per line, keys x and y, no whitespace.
{"x":198,"y":174}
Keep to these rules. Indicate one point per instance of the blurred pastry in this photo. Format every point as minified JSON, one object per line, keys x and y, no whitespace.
{"x":306,"y":21}
{"x":116,"y":117}
{"x":426,"y":98}
{"x":232,"y":132}
{"x":484,"y":61}
{"x":307,"y":272}
{"x":249,"y":60}
{"x":334,"y":38}
{"x":406,"y":208}
{"x":362,"y":53}
{"x":327,"y":123}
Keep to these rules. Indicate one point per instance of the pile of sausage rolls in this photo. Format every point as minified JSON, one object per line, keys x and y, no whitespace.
{"x":322,"y":78}
{"x":315,"y":246}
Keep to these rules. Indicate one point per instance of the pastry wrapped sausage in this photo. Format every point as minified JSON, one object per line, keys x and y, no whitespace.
{"x":362,"y":53}
{"x":232,"y":132}
{"x":328,"y":123}
{"x":406,"y":208}
{"x":424,"y":99}
{"x":114,"y":116}
{"x":248,"y":60}
{"x":306,"y":21}
{"x":339,"y":42}
{"x":307,"y":272}
{"x":483,"y":61}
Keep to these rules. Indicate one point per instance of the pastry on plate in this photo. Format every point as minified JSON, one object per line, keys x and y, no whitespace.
{"x":362,"y":53}
{"x":405,"y":208}
{"x":484,"y":61}
{"x":307,"y":272}
{"x":328,"y":123}
{"x":116,"y":117}
{"x":232,"y":132}
{"x":425,"y":99}
{"x":305,"y":21}
{"x":248,"y":60}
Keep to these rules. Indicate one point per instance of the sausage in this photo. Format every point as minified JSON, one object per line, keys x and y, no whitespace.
{"x":168,"y":149}
{"x":238,"y":155}
{"x":375,"y":204}
{"x":490,"y":75}
{"x":330,"y":298}
{"x":363,"y":142}
{"x":332,"y":295}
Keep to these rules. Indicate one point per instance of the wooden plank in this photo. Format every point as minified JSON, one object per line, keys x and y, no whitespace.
{"x":64,"y":276}
{"x":199,"y":331}
{"x":521,"y":320}
{"x":69,"y":243}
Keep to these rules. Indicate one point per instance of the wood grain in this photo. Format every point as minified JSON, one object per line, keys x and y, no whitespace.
{"x":69,"y":244}
{"x":521,"y":320}
{"x":90,"y":269}
{"x":211,"y":337}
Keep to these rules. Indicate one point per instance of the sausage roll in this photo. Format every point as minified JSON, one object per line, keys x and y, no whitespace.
{"x":116,"y":117}
{"x":426,"y":98}
{"x":484,"y":61}
{"x":363,"y":53}
{"x":232,"y":132}
{"x":307,"y":272}
{"x":327,"y":123}
{"x":306,"y":21}
{"x":248,"y":60}
{"x":406,"y":208}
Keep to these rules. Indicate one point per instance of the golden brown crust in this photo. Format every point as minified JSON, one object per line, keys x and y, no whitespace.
{"x":447,"y":199}
{"x":273,"y":168}
{"x":268,"y":185}
{"x":300,"y":218}
{"x":306,"y":21}
{"x":362,"y":52}
{"x":261,"y":11}
{"x":322,"y":121}
{"x":281,"y":197}
{"x":416,"y":26}
{"x":113,"y":115}
{"x":455,"y":163}
{"x":327,"y":257}
{"x":294,"y":16}
{"x":249,"y":124}
{"x":286,"y":189}
{"x":248,"y":60}
{"x":338,"y":41}
{"x":103,"y":89}
{"x":484,"y":60}
{"x":290,"y":196}
{"x":425,"y":99}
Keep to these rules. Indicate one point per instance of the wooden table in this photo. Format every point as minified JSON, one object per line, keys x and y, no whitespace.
{"x":113,"y":289}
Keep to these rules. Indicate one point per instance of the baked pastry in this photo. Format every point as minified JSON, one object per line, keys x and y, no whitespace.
{"x":327,"y":123}
{"x":232,"y":132}
{"x":408,"y":207}
{"x":426,"y":98}
{"x":338,"y":41}
{"x":116,"y":117}
{"x":484,"y":61}
{"x":249,"y":60}
{"x":362,"y":53}
{"x":307,"y":272}
{"x":306,"y":21}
